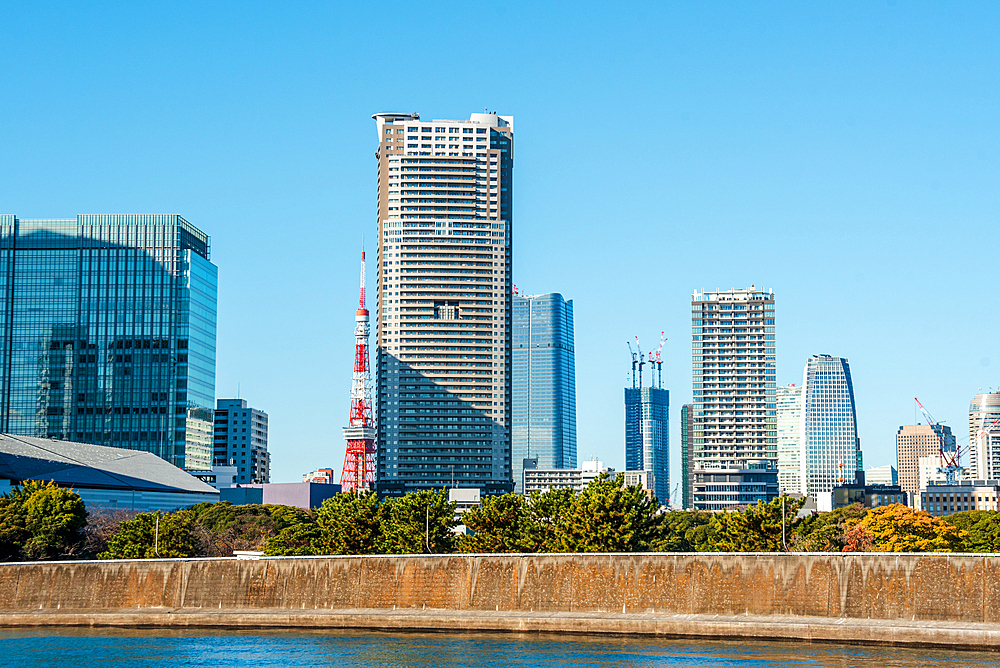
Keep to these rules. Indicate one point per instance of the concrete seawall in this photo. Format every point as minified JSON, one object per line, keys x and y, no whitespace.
{"x":934,"y":600}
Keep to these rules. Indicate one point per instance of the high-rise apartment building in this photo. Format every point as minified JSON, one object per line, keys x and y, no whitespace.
{"x":687,"y":461}
{"x":984,"y":437}
{"x":108,"y":333}
{"x":543,"y":377}
{"x":241,"y":440}
{"x":914,"y":441}
{"x":443,"y":328}
{"x":789,"y":402}
{"x":733,"y":374}
{"x":830,"y":451}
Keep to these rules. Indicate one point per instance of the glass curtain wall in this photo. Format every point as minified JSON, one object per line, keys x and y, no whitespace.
{"x":543,"y":410}
{"x":109,"y":325}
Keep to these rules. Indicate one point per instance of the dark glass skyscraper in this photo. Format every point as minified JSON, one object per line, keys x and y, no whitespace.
{"x":107,"y":325}
{"x":543,"y":403}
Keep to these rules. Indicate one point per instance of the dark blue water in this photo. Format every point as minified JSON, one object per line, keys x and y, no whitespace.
{"x":87,"y":649}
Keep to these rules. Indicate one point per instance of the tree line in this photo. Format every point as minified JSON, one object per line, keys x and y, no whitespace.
{"x":41,"y":521}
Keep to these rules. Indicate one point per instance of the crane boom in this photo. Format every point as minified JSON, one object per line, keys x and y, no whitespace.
{"x":950,"y":459}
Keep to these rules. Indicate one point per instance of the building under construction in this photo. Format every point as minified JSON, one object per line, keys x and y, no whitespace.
{"x":647,"y":422}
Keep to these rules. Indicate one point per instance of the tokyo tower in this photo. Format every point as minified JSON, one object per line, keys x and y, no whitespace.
{"x":359,"y":462}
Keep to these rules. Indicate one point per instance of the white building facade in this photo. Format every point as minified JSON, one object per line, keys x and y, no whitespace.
{"x":733,"y":386}
{"x":789,"y":402}
{"x":984,"y":439}
{"x":443,"y":323}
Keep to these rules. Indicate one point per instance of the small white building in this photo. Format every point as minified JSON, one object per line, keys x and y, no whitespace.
{"x":540,"y":480}
{"x":881,"y":475}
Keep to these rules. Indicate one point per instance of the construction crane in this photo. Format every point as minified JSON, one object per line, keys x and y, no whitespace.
{"x":950,"y":459}
{"x":657,"y":362}
{"x":642,"y":359}
{"x":635,"y":361}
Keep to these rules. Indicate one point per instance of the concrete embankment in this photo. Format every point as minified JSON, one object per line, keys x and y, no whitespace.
{"x":933,"y":600}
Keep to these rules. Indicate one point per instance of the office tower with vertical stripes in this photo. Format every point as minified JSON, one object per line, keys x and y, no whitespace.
{"x":733,"y":378}
{"x":443,"y":327}
{"x":543,"y":376}
{"x":687,"y":462}
{"x":829,"y":447}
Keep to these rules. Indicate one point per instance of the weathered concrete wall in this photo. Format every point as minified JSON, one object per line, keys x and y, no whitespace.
{"x":922,"y":591}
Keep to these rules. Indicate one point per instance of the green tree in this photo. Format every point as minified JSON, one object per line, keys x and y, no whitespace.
{"x":298,"y":540}
{"x":546,"y":511}
{"x":138,"y":538}
{"x":677,"y":531}
{"x":40,"y":520}
{"x":417,"y":523}
{"x":983,"y":527}
{"x":897,"y":528}
{"x":499,"y":524}
{"x":607,"y":516}
{"x":827,"y":532}
{"x":758,"y":527}
{"x":349,"y":524}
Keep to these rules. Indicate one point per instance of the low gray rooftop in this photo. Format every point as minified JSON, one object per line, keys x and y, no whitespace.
{"x":91,"y":466}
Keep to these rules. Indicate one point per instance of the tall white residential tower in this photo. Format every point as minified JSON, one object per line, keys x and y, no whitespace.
{"x":443,"y":328}
{"x":733,"y":378}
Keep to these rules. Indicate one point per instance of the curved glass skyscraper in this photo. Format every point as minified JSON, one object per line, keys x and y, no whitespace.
{"x":830,"y":450}
{"x":543,"y":396}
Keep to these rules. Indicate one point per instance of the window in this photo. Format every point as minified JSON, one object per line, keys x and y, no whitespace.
{"x":481,"y":131}
{"x":467,"y":131}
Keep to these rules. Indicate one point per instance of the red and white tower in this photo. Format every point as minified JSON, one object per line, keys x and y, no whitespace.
{"x":359,"y":463}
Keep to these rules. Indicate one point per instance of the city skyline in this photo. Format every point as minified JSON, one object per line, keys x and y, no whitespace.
{"x":835,"y":154}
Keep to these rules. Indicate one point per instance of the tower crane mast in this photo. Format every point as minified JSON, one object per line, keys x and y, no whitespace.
{"x":950,"y":459}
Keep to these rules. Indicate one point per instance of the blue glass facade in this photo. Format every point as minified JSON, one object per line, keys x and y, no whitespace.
{"x":647,"y":436}
{"x":543,"y":375}
{"x":830,"y":449}
{"x":108,"y":333}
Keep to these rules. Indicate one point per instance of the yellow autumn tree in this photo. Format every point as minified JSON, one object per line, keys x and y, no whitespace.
{"x":897,"y":528}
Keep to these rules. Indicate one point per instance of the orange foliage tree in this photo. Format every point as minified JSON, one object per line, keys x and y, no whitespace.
{"x":897,"y":528}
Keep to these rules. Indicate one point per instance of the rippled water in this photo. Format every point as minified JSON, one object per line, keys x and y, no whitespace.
{"x":87,"y":649}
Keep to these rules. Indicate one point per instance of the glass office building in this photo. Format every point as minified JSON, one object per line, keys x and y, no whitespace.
{"x":108,"y":330}
{"x":647,"y":436}
{"x":830,"y":452}
{"x":543,"y":375}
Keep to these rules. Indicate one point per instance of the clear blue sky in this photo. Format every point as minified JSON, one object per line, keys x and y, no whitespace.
{"x":844,"y":154}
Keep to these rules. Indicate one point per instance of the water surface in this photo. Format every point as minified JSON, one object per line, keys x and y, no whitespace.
{"x":92,"y":648}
